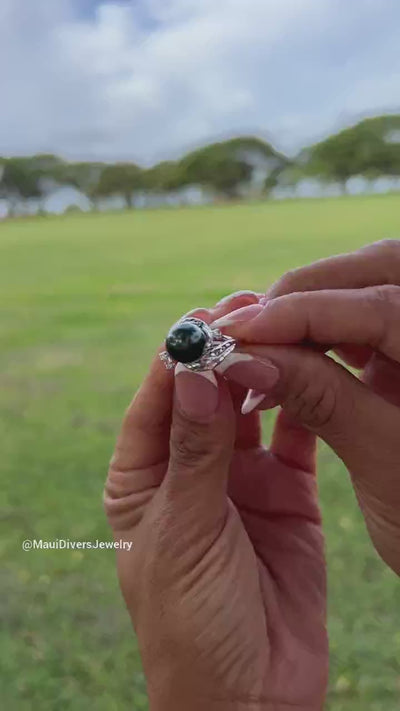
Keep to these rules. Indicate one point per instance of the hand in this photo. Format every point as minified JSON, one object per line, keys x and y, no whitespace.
{"x":225,"y":581}
{"x":350,"y":303}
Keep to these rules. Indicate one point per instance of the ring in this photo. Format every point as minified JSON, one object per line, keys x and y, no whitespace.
{"x":192,"y":342}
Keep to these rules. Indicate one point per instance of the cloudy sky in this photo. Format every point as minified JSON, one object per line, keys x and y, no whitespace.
{"x":146,"y":79}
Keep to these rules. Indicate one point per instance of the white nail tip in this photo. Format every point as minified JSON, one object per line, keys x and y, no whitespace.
{"x":232,"y":359}
{"x":222,"y":322}
{"x":207,"y":374}
{"x":180,"y":368}
{"x":236,"y":295}
{"x":252,"y":400}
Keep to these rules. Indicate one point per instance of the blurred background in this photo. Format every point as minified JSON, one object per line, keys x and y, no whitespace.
{"x":156,"y":155}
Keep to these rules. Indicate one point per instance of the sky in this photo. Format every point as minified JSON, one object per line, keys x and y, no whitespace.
{"x":145,"y":80}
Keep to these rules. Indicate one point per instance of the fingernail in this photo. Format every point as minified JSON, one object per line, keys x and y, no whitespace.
{"x":251,"y":295}
{"x":251,"y":401}
{"x":251,"y":372}
{"x":240,"y":316}
{"x":198,"y":312}
{"x":196,"y":393}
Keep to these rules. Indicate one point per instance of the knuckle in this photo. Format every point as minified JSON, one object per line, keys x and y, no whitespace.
{"x":111,"y":492}
{"x":387,"y":254}
{"x":387,"y":247}
{"x":385,"y":301}
{"x":287,"y":283}
{"x":390,"y":247}
{"x":313,"y":401}
{"x":190,"y":444}
{"x":387,"y":295}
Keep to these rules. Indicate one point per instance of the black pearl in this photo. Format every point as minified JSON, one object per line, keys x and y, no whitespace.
{"x":186,"y":342}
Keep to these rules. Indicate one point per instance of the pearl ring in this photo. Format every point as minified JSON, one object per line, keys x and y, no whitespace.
{"x":194,"y":343}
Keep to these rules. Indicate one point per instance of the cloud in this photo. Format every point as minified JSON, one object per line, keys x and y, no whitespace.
{"x":145,"y":80}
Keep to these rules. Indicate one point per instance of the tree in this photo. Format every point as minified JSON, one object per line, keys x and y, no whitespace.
{"x":364,"y":149}
{"x":216,"y":168}
{"x":286,"y":177}
{"x":163,"y":177}
{"x":30,"y":177}
{"x":49,"y":171}
{"x":387,"y":129}
{"x":19,"y":182}
{"x":240,"y":166}
{"x":256,"y":152}
{"x":228,"y":166}
{"x":84,"y":176}
{"x":120,"y":179}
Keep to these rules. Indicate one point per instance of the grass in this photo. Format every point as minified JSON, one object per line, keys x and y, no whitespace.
{"x":85,"y":301}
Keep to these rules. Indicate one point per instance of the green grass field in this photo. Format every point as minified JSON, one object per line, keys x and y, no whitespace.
{"x":86,"y":299}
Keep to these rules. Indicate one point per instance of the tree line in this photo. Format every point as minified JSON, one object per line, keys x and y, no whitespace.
{"x":226,"y":169}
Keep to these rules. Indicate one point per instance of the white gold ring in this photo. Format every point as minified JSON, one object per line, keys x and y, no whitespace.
{"x":194,"y":343}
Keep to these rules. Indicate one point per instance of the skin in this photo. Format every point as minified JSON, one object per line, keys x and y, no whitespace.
{"x":352,"y":303}
{"x":225,"y":581}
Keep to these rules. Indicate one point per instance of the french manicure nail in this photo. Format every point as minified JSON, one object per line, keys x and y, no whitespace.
{"x":240,"y":316}
{"x":198,"y":312}
{"x":196,"y":393}
{"x":251,"y":372}
{"x":251,"y":401}
{"x":251,"y":295}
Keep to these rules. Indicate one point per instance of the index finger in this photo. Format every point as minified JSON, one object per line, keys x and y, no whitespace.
{"x":368,"y":317}
{"x":377,"y":263}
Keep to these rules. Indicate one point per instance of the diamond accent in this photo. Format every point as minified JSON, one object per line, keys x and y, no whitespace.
{"x":167,"y":360}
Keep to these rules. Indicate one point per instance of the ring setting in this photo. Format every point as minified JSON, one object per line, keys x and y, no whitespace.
{"x":194,"y":343}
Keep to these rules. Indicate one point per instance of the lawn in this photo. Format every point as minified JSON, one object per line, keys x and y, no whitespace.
{"x":86,"y":299}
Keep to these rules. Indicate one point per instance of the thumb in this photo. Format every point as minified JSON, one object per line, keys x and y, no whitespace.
{"x":201,"y":445}
{"x":326,"y":398}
